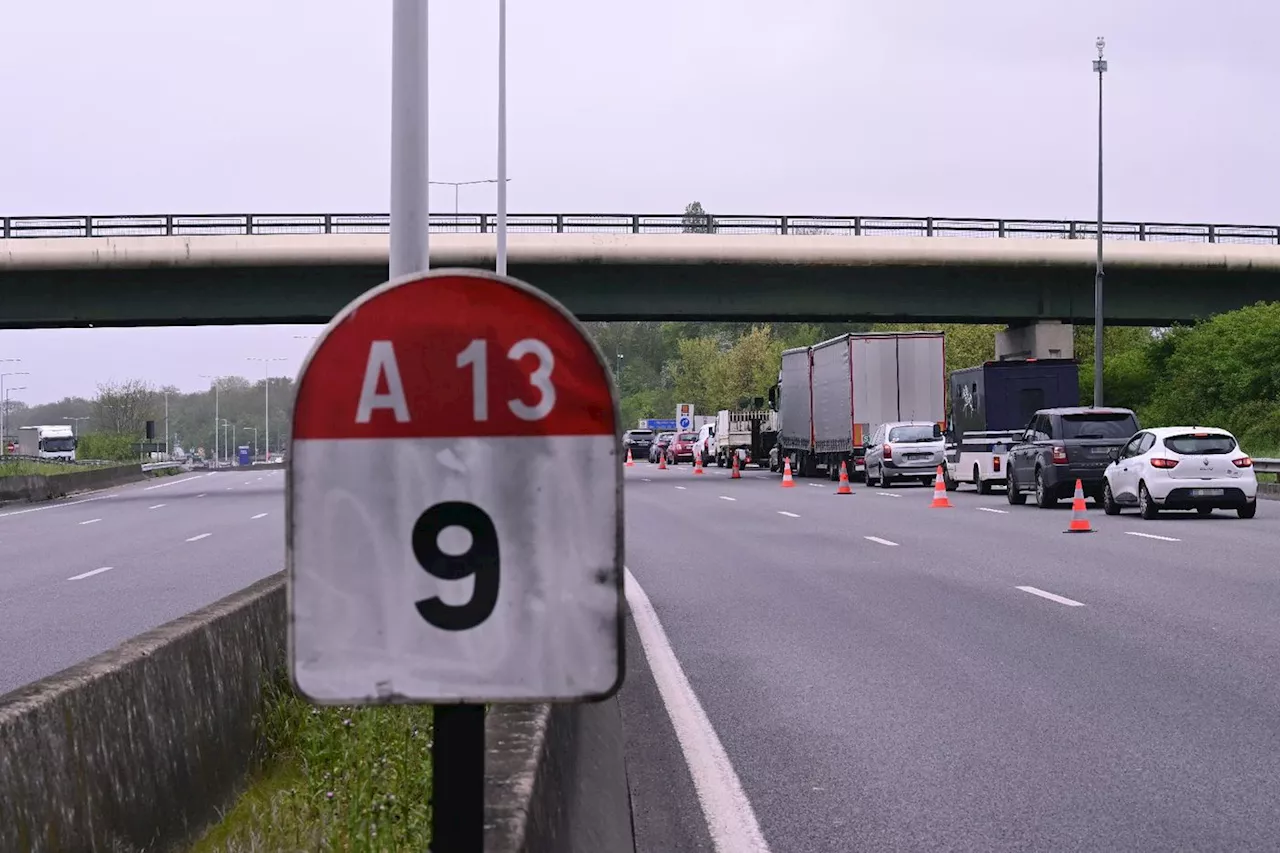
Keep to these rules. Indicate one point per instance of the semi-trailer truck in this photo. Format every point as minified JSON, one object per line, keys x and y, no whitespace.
{"x":831,"y":396}
{"x":991,"y":405}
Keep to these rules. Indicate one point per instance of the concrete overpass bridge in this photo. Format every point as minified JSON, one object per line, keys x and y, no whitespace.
{"x":254,"y":269}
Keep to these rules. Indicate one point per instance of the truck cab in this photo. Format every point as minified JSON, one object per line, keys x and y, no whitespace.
{"x":52,"y":442}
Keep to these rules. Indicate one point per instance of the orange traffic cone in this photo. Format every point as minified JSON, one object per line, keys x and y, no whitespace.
{"x":940,"y":499}
{"x":697,"y":463}
{"x":844,"y":480}
{"x":662,"y":461}
{"x":630,"y":462}
{"x":1079,"y":520}
{"x":736,"y":475}
{"x":787,"y":482}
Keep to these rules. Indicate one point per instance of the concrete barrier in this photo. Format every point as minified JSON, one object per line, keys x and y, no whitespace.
{"x":42,"y":487}
{"x":139,"y":747}
{"x":556,"y":780}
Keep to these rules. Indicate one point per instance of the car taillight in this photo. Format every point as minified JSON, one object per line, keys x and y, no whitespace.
{"x":995,"y":464}
{"x":1163,"y":463}
{"x":1242,"y":462}
{"x":888,"y":451}
{"x":1059,"y":456}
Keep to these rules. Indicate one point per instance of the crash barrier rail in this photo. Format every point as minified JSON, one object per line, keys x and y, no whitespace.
{"x":146,"y":745}
{"x":192,"y":225}
{"x":159,"y":466}
{"x":43,"y":487}
{"x":1267,"y":466}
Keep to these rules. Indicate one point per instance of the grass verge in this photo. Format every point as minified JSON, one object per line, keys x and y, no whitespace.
{"x":24,"y":468}
{"x":349,"y":779}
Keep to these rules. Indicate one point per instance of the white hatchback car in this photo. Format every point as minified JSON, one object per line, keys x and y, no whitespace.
{"x":1198,"y":468}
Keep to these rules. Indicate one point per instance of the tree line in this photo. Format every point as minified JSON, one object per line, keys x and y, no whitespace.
{"x":112,"y":421}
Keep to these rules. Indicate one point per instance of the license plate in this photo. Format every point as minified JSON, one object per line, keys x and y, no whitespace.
{"x":1100,"y":451}
{"x":1206,"y":493}
{"x":917,"y":455}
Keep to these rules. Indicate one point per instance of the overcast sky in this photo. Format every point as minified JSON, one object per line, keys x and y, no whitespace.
{"x":928,"y":107}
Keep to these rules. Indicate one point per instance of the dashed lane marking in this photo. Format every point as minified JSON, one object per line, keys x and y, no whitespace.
{"x":1052,"y":597}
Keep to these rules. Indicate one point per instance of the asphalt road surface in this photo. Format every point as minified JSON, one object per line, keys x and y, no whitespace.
{"x":832,"y":673}
{"x":79,"y":576}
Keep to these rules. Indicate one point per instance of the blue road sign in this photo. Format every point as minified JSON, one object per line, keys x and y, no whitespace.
{"x":685,"y":423}
{"x":661,"y":423}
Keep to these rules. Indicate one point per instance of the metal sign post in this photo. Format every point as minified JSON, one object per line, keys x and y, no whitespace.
{"x":455,"y":515}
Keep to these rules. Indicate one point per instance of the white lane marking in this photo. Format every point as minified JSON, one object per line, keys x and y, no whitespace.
{"x":646,"y":479}
{"x":1049,"y":595}
{"x":681,"y":488}
{"x":881,"y":541}
{"x":229,"y":488}
{"x":816,"y":485}
{"x":248,"y":482}
{"x":992,"y":509}
{"x":787,"y":514}
{"x":258,"y":516}
{"x":171,"y":483}
{"x":1152,"y":536}
{"x":199,"y":537}
{"x":202,"y":494}
{"x":888,"y":495}
{"x":81,"y":577}
{"x":157,"y":506}
{"x":91,"y":521}
{"x":731,"y":821}
{"x":727,"y":498}
{"x":55,"y":506}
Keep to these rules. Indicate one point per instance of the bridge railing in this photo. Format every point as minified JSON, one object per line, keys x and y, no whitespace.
{"x":165,"y":225}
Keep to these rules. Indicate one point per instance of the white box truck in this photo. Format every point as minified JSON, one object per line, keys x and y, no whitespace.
{"x":56,"y":442}
{"x":831,"y":396}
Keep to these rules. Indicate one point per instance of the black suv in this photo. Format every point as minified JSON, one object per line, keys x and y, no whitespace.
{"x":638,"y":442}
{"x":1060,"y":446}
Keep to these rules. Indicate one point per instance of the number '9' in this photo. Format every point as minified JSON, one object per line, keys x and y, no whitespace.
{"x":480,"y":560}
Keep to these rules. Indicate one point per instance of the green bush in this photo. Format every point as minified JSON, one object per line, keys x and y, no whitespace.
{"x":102,"y":445}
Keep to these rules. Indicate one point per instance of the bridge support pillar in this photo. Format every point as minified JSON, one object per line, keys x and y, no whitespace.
{"x":1042,"y":339}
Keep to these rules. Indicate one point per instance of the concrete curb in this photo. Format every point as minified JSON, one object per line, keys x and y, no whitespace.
{"x":556,"y":780}
{"x":41,"y":487}
{"x":138,"y":748}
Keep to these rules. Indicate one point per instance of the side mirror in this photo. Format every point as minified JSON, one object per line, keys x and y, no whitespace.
{"x":1114,"y":453}
{"x":937,"y":431}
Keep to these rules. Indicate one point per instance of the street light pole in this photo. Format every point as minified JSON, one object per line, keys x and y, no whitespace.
{"x":456,"y":185}
{"x":266,"y":366}
{"x":2,"y":397}
{"x":1100,"y":67}
{"x":255,"y":440}
{"x":502,"y":137}
{"x":75,"y":424}
{"x":410,"y":192}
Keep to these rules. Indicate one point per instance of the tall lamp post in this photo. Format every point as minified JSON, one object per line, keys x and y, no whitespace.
{"x":4,"y":361}
{"x":456,"y":185}
{"x":254,"y":430}
{"x":266,"y":406}
{"x":4,"y":403}
{"x":1100,"y":68}
{"x":75,"y":423}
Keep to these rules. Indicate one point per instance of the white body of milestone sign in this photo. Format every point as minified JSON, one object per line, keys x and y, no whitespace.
{"x":455,"y":501}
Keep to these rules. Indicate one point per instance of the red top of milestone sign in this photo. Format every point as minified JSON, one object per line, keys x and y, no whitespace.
{"x":454,"y":353}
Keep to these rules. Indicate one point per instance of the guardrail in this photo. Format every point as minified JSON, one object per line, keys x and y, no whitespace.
{"x":157,"y":466}
{"x":167,"y":225}
{"x":1267,"y":466}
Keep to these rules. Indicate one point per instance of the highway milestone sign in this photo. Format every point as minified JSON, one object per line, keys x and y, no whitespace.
{"x":455,"y":501}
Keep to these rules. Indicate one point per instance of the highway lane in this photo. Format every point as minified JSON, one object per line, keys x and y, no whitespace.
{"x":879,"y":679}
{"x":81,"y":575}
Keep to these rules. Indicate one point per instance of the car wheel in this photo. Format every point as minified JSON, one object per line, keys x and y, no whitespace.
{"x":1044,"y":500}
{"x":1011,"y":492}
{"x":1204,"y":510}
{"x":884,"y":478}
{"x":1146,"y":506}
{"x":983,"y":486}
{"x":1109,"y":505}
{"x":1249,"y":510}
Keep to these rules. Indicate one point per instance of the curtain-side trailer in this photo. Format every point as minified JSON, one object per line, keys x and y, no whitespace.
{"x":834,"y":394}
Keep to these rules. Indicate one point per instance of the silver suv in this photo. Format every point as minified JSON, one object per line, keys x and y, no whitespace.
{"x":904,"y":450}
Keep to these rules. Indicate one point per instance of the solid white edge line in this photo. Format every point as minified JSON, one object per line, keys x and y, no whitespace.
{"x":198,"y":537}
{"x":54,"y":506}
{"x":881,"y":541}
{"x":1151,"y":536}
{"x":787,"y":514}
{"x":731,"y":821}
{"x":84,"y":575}
{"x":1049,"y":595}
